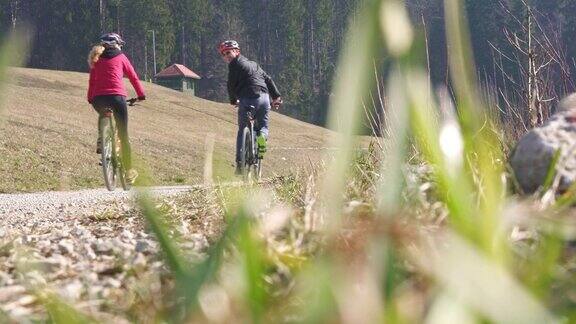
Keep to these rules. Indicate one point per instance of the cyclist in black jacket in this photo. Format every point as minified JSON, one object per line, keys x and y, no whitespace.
{"x":249,"y":85}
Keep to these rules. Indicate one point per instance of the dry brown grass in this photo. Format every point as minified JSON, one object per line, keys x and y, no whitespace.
{"x":48,"y":134}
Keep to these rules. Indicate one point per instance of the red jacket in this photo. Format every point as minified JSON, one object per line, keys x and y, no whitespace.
{"x":106,"y":77}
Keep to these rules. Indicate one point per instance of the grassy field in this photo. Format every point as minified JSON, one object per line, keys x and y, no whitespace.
{"x":49,"y":135}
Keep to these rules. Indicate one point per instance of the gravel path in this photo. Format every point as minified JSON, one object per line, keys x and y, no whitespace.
{"x":89,"y":201}
{"x":93,"y":249}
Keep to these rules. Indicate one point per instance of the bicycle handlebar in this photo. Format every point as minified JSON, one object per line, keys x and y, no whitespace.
{"x":132,"y":101}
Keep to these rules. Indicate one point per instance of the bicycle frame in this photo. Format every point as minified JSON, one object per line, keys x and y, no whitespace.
{"x":252,"y":122}
{"x":111,"y":155}
{"x":250,"y":159}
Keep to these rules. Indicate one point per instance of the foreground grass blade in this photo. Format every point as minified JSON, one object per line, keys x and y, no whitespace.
{"x":317,"y":290}
{"x":190,"y":280}
{"x":254,"y":268}
{"x":352,"y":81}
{"x":391,"y":185}
{"x":189,"y":287}
{"x":12,"y":53}
{"x":454,"y":185}
{"x":482,"y":148}
{"x":61,"y":312}
{"x":173,"y":256}
{"x":479,"y":282}
{"x":551,"y":173}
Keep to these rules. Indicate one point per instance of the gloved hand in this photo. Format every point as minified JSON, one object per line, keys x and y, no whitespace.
{"x":141,"y":98}
{"x":276,"y":103}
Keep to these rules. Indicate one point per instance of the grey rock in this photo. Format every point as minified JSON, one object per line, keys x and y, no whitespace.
{"x":535,"y":151}
{"x":73,"y":290}
{"x":48,"y":265}
{"x":35,"y":278}
{"x":126,"y":234}
{"x":6,"y":279}
{"x":143,"y":246}
{"x":18,"y":312}
{"x":111,"y":282}
{"x":101,"y":246}
{"x":196,"y":242}
{"x":95,"y":291}
{"x":139,"y":261}
{"x":66,"y":246}
{"x":89,"y":252}
{"x":44,"y":246}
{"x":122,"y":247}
{"x":9,"y":292}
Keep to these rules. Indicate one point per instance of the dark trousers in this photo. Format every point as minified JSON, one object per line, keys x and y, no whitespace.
{"x":262,"y":105}
{"x":118,"y":105}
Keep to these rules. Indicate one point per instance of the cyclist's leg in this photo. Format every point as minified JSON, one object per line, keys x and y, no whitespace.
{"x":121,"y":116}
{"x":262,"y":117}
{"x":99,"y":103}
{"x":262,"y":114}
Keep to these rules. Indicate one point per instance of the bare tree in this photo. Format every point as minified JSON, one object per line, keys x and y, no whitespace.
{"x":14,"y":8}
{"x":541,"y":73}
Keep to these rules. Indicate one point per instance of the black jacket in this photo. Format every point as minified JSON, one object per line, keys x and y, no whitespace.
{"x":246,"y":79}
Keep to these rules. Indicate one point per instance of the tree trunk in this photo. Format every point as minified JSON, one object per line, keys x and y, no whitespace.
{"x":531,"y":76}
{"x":14,"y":12}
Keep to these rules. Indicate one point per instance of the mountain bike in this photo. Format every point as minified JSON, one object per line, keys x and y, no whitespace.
{"x":250,"y":161}
{"x":111,"y":150}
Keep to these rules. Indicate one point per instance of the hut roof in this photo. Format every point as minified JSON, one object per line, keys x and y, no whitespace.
{"x":177,"y":70}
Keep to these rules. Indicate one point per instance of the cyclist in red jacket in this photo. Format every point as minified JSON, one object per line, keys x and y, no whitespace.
{"x":108,"y":65}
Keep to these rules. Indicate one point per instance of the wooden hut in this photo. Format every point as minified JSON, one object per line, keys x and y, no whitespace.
{"x":177,"y":77}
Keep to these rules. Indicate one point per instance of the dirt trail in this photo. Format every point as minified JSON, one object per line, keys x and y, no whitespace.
{"x":93,"y":247}
{"x":81,"y":202}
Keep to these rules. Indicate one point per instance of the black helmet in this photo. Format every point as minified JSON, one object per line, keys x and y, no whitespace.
{"x":111,"y":39}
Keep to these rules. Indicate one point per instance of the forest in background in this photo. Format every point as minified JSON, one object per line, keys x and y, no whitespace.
{"x":523,"y":50}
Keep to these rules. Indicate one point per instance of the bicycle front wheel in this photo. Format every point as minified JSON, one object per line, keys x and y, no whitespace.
{"x":120,"y":169}
{"x":107,"y":155}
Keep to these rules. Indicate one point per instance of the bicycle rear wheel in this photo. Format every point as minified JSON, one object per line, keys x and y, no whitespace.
{"x":247,"y":154}
{"x":258,"y":171}
{"x":107,"y":155}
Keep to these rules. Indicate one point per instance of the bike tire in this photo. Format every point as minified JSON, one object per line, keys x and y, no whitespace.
{"x":246,"y":154}
{"x":122,"y":175}
{"x":258,"y":171}
{"x":120,"y":170}
{"x":107,"y":158}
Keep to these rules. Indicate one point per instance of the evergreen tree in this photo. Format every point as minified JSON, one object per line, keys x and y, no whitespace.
{"x":288,"y":31}
{"x":139,"y":18}
{"x":64,"y":32}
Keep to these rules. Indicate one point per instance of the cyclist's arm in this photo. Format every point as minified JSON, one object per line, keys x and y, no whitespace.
{"x":133,"y":77}
{"x":91,"y":86}
{"x":272,"y":89}
{"x":232,"y":82}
